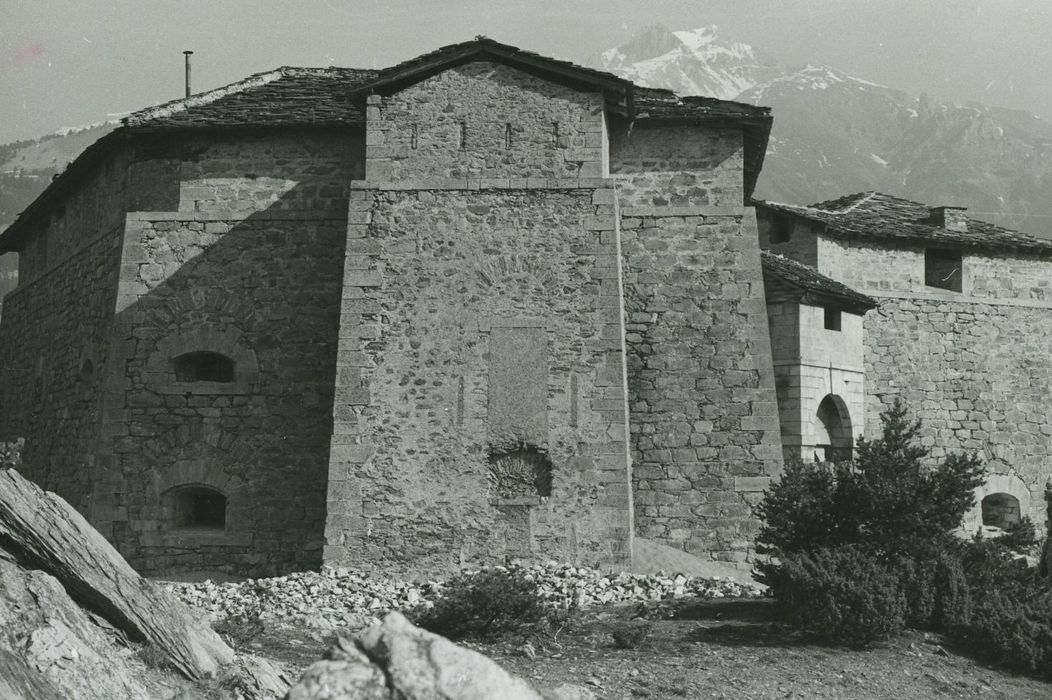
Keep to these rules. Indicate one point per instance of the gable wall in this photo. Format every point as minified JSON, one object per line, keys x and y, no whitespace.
{"x":802,"y":245}
{"x":556,"y":132}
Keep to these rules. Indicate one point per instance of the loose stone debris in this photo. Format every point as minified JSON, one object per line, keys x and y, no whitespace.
{"x":341,"y":598}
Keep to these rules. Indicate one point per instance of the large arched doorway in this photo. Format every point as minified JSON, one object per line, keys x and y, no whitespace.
{"x":833,"y":437}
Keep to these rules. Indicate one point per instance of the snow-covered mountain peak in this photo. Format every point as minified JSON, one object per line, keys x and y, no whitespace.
{"x":810,"y":77}
{"x":694,"y":39}
{"x":691,"y":62}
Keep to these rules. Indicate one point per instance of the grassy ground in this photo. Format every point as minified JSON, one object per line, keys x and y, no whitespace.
{"x":711,"y":649}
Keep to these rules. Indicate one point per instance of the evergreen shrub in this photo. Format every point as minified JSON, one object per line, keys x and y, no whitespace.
{"x":482,"y":604}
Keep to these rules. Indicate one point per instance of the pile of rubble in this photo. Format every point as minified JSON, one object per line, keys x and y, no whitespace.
{"x":340,"y":598}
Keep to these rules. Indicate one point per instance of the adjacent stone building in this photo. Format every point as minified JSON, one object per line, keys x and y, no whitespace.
{"x":816,"y":340}
{"x":962,"y":333}
{"x":481,"y":304}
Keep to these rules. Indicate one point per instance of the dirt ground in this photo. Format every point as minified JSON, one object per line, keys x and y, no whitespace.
{"x":710,"y":649}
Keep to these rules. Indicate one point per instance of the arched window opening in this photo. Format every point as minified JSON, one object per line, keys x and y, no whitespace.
{"x":1000,"y":510}
{"x":203,"y":367}
{"x":197,"y":507}
{"x":87,"y":371}
{"x":523,"y":472}
{"x":833,"y":438}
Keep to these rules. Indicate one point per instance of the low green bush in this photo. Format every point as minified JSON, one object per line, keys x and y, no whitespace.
{"x":1011,"y":630}
{"x":842,"y":595}
{"x":917,"y":579}
{"x":951,"y":599}
{"x":1020,"y":536}
{"x":631,"y":635}
{"x":482,"y":604}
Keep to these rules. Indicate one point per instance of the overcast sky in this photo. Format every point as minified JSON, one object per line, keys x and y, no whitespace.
{"x":74,"y":62}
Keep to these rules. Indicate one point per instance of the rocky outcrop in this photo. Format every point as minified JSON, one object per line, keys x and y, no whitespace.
{"x":397,"y":660}
{"x":77,"y":622}
{"x":51,"y":648}
{"x":44,"y":531}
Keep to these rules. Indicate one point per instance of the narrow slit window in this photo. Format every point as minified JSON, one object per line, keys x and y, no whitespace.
{"x":203,"y":367}
{"x":832,"y":319}
{"x":555,"y":133}
{"x":507,"y":135}
{"x":414,"y":136}
{"x":463,"y":134}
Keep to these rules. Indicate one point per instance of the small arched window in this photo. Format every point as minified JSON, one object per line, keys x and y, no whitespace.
{"x":203,"y":367}
{"x":197,"y":507}
{"x":1000,"y":510}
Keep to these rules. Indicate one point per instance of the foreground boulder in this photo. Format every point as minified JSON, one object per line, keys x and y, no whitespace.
{"x":51,"y":648}
{"x":39,"y":530}
{"x":396,"y":660}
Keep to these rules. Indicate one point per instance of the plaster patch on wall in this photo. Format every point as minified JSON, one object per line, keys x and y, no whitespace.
{"x":518,"y":384}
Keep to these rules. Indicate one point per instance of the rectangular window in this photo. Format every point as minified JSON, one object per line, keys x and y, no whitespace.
{"x":781,"y":230}
{"x":507,"y":135}
{"x":463,"y":134}
{"x":832,"y":319}
{"x":942,"y":269}
{"x":414,"y":136}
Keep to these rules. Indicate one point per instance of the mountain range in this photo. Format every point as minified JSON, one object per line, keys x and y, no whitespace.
{"x":833,"y":134}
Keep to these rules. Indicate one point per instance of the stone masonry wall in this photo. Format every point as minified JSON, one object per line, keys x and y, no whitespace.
{"x":802,"y":242}
{"x":974,"y":365}
{"x":978,"y":374}
{"x":132,"y":178}
{"x":53,"y":344}
{"x":453,"y":300}
{"x":55,"y":333}
{"x":704,"y":416}
{"x":248,"y":265}
{"x":677,"y":166}
{"x":485,"y":120}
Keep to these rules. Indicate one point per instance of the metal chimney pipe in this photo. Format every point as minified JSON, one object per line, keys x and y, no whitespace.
{"x":187,"y":54}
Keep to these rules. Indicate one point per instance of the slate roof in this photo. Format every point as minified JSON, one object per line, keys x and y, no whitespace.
{"x":480,"y":48}
{"x":656,"y":103}
{"x":291,"y":96}
{"x":285,"y":96}
{"x":881,"y":217}
{"x":809,"y":286}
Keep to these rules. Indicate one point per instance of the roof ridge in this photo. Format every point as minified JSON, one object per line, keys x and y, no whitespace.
{"x":167,"y":109}
{"x":870,"y":195}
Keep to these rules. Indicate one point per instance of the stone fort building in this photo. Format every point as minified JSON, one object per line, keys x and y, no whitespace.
{"x":482,"y":304}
